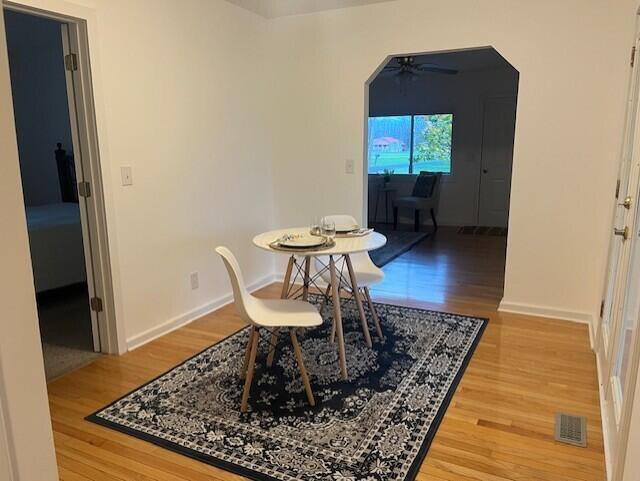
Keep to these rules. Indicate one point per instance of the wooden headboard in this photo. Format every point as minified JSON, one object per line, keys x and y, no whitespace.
{"x":66,"y":175}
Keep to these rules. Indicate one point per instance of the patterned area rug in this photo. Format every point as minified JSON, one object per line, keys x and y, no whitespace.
{"x":377,"y":426}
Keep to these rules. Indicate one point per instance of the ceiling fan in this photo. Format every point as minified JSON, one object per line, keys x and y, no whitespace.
{"x":408,"y":66}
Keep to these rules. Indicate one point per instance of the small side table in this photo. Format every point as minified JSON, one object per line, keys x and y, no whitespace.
{"x":386,"y":191}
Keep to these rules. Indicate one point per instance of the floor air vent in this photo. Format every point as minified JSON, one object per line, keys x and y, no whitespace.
{"x":571,"y":429}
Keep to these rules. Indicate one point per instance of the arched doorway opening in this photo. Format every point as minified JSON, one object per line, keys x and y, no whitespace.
{"x":439,"y":133}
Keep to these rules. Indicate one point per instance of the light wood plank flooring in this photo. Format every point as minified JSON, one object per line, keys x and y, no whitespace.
{"x":499,"y":425}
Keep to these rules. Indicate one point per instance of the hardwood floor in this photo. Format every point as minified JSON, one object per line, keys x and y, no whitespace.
{"x":499,"y":425}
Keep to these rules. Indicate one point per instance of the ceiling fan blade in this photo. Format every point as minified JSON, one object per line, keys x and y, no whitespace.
{"x":436,"y":69}
{"x":388,"y":73}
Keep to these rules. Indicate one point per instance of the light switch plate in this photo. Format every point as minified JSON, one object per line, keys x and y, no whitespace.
{"x":127,"y":176}
{"x":348,"y":166}
{"x":194,"y":281}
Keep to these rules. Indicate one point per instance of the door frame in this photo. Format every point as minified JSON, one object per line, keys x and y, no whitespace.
{"x":84,"y":121}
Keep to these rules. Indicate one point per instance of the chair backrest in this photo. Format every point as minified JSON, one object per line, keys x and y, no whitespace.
{"x":341,"y":219}
{"x":427,"y":184}
{"x":241,"y":296}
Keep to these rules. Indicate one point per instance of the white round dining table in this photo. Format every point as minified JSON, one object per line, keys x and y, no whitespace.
{"x":344,"y":247}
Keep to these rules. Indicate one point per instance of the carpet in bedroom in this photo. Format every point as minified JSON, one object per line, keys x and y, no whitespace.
{"x":65,"y":329}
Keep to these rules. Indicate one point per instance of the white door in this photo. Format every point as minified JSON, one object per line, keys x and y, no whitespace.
{"x":83,"y":185}
{"x":497,"y":157}
{"x":624,"y":354}
{"x":623,"y":212}
{"x":616,"y":338}
{"x":619,"y":397}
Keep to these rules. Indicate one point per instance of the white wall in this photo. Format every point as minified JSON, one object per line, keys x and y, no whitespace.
{"x":23,"y":397}
{"x":573,"y":61}
{"x":40,"y":103}
{"x":463,"y":95}
{"x":189,"y":117}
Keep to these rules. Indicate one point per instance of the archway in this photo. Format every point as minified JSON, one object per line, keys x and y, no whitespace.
{"x":438,"y":151}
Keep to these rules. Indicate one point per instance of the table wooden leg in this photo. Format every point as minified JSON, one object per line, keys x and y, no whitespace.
{"x":337,"y":317}
{"x":358,"y":299}
{"x":307,"y":270}
{"x":287,"y":278}
{"x":374,"y":313}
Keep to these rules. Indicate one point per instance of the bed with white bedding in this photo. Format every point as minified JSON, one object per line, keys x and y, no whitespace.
{"x":55,"y":239}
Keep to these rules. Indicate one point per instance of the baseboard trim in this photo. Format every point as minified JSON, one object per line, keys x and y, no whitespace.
{"x":543,"y":311}
{"x":592,"y":337}
{"x":182,"y":320}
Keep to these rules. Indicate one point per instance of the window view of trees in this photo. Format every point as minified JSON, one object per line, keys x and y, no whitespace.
{"x":390,"y":140}
{"x":432,"y":143}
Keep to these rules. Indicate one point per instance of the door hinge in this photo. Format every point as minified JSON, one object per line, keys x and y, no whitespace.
{"x":617,"y":188}
{"x":84,"y":189}
{"x":71,"y":62}
{"x":633,"y":55}
{"x":96,"y":304}
{"x":602,"y":309}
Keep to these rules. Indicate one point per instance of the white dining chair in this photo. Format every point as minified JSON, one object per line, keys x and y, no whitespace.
{"x":365,"y":271}
{"x":270,"y":315}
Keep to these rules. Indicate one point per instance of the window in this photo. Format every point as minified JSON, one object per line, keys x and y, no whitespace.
{"x":410,"y":144}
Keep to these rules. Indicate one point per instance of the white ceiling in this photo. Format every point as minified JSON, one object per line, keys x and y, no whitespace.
{"x":280,"y":8}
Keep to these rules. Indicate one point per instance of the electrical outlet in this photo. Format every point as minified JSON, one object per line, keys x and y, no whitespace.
{"x":127,"y":176}
{"x":349,"y":166}
{"x":195,"y":282}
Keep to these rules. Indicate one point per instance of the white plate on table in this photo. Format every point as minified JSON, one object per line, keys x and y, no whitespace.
{"x":302,"y":241}
{"x":345,"y":228}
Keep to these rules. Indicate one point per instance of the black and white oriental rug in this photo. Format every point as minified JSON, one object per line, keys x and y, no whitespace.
{"x":377,"y":426}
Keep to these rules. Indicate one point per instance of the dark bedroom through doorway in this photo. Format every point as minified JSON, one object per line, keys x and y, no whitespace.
{"x":49,"y":184}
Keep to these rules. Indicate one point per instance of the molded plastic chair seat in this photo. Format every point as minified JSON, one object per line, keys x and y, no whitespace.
{"x":271,"y":315}
{"x":284,"y":313}
{"x":367,"y":273}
